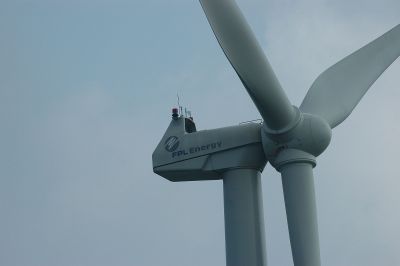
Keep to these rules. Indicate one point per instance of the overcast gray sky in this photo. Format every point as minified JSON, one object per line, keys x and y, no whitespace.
{"x":86,"y":89}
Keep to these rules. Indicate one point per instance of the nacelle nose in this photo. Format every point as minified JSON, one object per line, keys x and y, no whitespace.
{"x":310,"y":134}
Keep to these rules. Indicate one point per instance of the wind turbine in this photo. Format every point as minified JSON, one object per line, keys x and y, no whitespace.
{"x":290,"y":137}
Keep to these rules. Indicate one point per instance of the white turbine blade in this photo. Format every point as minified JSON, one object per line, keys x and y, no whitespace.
{"x":337,"y":91}
{"x":247,"y":58}
{"x":301,"y":212}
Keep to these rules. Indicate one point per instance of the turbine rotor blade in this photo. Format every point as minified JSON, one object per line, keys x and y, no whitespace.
{"x":301,"y":212}
{"x":247,"y":58}
{"x":337,"y":91}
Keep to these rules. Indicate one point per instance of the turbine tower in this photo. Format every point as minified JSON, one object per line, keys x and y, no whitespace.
{"x":290,"y":137}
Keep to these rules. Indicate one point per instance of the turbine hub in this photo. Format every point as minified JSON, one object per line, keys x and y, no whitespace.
{"x":308,"y":133}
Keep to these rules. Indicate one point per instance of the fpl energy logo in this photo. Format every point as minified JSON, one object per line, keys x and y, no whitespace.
{"x":172,"y":144}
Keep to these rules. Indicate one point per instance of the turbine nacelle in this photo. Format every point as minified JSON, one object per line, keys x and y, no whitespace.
{"x":185,"y":154}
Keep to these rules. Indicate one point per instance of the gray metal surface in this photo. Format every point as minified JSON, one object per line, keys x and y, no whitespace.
{"x":223,"y":138}
{"x":247,"y":58}
{"x":301,"y":211}
{"x":337,"y":91}
{"x":205,"y":154}
{"x":244,"y":219}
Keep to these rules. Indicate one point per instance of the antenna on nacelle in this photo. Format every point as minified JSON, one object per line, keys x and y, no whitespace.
{"x":179,"y":104}
{"x":187,"y":113}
